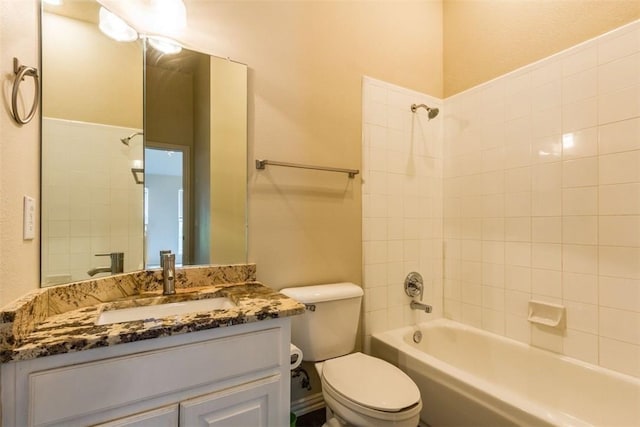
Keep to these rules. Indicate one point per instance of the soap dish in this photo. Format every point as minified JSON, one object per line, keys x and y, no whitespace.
{"x":547,"y":314}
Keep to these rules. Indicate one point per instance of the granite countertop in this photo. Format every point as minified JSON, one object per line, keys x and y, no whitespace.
{"x":63,"y":319}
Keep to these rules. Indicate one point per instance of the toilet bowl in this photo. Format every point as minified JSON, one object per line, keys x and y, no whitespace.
{"x":358,"y":389}
{"x":361,"y":390}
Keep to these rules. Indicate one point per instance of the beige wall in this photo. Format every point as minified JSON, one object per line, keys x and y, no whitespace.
{"x":19,"y":153}
{"x":485,"y":39}
{"x":89,"y":77}
{"x":306,"y":63}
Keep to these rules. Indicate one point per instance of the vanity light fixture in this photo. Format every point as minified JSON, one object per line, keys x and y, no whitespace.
{"x":164,"y":45}
{"x":168,"y":15}
{"x":115,"y":28}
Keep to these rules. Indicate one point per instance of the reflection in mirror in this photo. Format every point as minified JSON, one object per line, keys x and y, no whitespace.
{"x":95,"y":185}
{"x":195,"y":158}
{"x":91,"y":100}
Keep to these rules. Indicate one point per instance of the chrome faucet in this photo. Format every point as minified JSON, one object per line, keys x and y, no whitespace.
{"x":414,"y":287}
{"x":117,"y":264}
{"x":415,"y":305}
{"x":168,"y":262}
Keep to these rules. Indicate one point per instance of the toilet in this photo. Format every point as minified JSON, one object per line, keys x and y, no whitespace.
{"x":358,"y":389}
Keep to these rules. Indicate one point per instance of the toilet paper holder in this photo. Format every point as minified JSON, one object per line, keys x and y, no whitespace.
{"x":295,"y":356}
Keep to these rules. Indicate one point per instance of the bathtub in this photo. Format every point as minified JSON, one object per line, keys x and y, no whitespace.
{"x":469,"y":377}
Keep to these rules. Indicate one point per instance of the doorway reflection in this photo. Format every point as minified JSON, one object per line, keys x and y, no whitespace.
{"x":165,"y":201}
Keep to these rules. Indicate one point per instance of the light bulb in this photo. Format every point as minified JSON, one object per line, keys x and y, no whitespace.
{"x":168,"y":15}
{"x":115,"y":28}
{"x":164,"y":45}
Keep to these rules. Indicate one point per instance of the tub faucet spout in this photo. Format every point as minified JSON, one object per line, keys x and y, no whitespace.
{"x":415,"y":305}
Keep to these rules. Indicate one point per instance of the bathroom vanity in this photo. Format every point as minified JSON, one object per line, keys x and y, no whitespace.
{"x":226,"y":366}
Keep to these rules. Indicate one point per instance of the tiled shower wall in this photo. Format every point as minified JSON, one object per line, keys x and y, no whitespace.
{"x":90,"y":201}
{"x":402,"y":204}
{"x":542,"y":201}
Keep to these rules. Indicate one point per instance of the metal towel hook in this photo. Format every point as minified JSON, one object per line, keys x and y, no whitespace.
{"x":21,"y":71}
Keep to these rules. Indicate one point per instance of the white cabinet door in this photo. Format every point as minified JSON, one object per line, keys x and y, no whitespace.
{"x":253,"y":404}
{"x":167,"y":416}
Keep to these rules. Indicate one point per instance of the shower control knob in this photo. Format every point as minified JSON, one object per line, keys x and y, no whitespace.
{"x":413,"y":284}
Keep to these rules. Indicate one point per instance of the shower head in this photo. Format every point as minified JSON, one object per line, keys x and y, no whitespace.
{"x":431,"y":112}
{"x":127,"y":140}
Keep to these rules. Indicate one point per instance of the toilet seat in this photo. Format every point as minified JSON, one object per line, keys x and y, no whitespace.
{"x":369,"y":383}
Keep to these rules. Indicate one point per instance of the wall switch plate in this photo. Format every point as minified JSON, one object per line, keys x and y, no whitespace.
{"x":29,"y":218}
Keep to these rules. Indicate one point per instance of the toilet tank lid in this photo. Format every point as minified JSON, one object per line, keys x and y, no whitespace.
{"x":319,"y":293}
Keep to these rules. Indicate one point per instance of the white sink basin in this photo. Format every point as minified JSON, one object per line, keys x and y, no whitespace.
{"x":163,"y":310}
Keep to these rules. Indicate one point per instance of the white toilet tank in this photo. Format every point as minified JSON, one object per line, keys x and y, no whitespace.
{"x":329,"y":326}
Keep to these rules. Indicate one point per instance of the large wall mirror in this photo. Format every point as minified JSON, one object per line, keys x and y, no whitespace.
{"x":141,"y":152}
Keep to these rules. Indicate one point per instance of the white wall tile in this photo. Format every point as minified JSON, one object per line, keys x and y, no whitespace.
{"x":623,"y":294}
{"x":620,"y":105}
{"x":619,"y":45}
{"x":620,"y":356}
{"x":580,"y":230}
{"x":616,"y":261}
{"x":619,"y":168}
{"x":581,"y":345}
{"x":581,"y":143}
{"x":546,"y":256}
{"x":580,"y":172}
{"x":546,"y":149}
{"x":579,"y":115}
{"x":580,"y":60}
{"x":546,"y":72}
{"x":580,"y":259}
{"x":493,"y":321}
{"x":517,"y":328}
{"x":619,"y":74}
{"x":518,"y":253}
{"x":547,"y":177}
{"x":619,"y":136}
{"x":517,"y":229}
{"x":619,"y":199}
{"x":493,"y":274}
{"x":546,"y":282}
{"x":547,"y":201}
{"x":619,"y":230}
{"x":581,"y":85}
{"x":546,"y":338}
{"x":580,"y":201}
{"x":546,"y":229}
{"x":582,"y":317}
{"x":611,"y":320}
{"x":518,"y":279}
{"x":517,"y":204}
{"x":580,"y":287}
{"x":402,"y":204}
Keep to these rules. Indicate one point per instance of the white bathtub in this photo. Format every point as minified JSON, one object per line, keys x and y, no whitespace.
{"x":469,"y":377}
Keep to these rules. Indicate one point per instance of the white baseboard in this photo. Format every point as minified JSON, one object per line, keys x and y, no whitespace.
{"x":307,"y":404}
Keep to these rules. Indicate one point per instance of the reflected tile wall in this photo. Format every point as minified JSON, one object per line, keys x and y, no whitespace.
{"x":402,"y":204}
{"x":90,"y":201}
{"x":542,"y":201}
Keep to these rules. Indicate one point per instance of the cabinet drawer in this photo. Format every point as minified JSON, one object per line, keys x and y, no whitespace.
{"x":59,"y":394}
